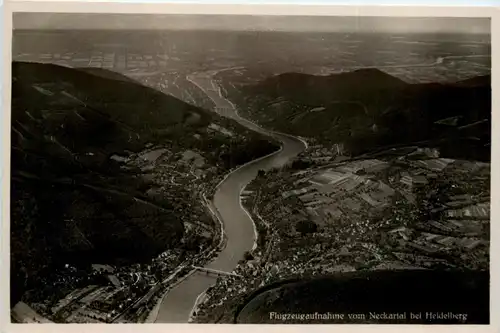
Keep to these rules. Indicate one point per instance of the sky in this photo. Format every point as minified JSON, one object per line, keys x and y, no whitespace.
{"x":232,"y":22}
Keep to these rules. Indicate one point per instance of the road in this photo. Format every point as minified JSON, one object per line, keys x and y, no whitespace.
{"x":238,"y":225}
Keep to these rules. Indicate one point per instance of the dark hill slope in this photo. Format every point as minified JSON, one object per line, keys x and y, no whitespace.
{"x":64,"y":208}
{"x":107,"y":74}
{"x":478,"y":81}
{"x":316,"y":90}
{"x":72,"y":204}
{"x":75,"y":89}
{"x":376,"y":292}
{"x":127,"y":114}
{"x":368,"y":109}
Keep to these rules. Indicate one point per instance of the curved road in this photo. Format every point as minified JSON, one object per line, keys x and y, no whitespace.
{"x":238,"y":226}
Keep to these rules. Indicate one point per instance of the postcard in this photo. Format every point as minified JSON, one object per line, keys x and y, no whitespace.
{"x":249,"y":167}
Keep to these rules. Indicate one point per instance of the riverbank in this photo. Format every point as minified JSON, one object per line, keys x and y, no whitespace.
{"x":153,"y":317}
{"x":210,"y":253}
{"x":239,"y":227}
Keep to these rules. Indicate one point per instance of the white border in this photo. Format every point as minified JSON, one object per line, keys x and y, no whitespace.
{"x":93,"y":6}
{"x":97,"y":6}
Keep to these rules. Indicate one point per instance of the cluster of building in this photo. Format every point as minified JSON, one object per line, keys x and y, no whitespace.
{"x":345,"y":191}
{"x":127,"y":293}
{"x":322,"y":154}
{"x":370,"y":214}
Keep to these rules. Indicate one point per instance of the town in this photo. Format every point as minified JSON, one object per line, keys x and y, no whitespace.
{"x":110,"y":293}
{"x":405,"y":209}
{"x":329,"y":210}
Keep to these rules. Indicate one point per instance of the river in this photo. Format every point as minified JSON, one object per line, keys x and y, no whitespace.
{"x":238,"y":226}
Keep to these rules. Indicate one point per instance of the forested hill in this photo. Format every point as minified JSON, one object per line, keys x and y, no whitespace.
{"x":367,"y":109}
{"x":71,"y":203}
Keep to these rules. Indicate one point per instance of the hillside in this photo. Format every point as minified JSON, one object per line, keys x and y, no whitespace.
{"x":406,"y":209}
{"x":107,"y":74}
{"x":369,"y":294}
{"x":72,"y":204}
{"x":315,"y":90}
{"x":369,"y":109}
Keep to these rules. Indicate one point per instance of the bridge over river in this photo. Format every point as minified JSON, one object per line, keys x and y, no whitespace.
{"x":239,"y":228}
{"x":216,"y":272}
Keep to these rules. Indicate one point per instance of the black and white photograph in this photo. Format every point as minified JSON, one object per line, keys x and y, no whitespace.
{"x":250,"y":169}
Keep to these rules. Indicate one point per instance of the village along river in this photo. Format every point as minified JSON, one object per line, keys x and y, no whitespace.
{"x":238,"y":226}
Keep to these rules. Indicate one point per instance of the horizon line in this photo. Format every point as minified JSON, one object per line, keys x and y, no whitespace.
{"x":170,"y":29}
